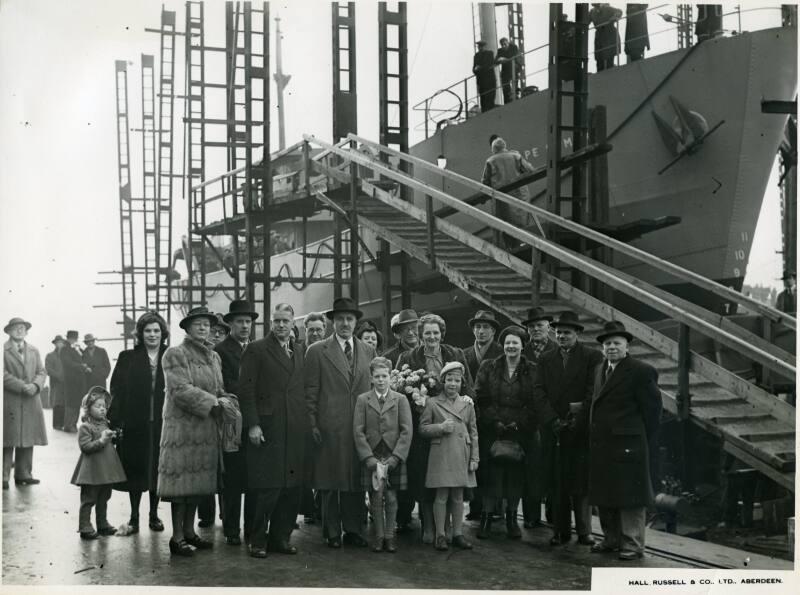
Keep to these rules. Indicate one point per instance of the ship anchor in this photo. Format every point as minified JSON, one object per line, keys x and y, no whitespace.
{"x":687,"y":136}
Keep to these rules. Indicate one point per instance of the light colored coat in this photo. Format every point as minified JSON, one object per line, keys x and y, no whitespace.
{"x":390,"y":423}
{"x":190,"y":451}
{"x":331,"y":392}
{"x":98,"y":463}
{"x":23,"y":419}
{"x":450,"y":454}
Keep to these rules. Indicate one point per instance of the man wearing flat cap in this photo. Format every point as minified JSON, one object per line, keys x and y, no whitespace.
{"x":624,"y":417}
{"x":74,"y":381}
{"x":336,"y":372}
{"x":95,"y":358}
{"x":404,"y":328}
{"x":23,"y":419}
{"x":55,"y":372}
{"x":563,"y":390}
{"x":239,"y":319}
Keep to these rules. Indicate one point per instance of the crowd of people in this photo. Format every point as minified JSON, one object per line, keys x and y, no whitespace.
{"x":318,"y":426}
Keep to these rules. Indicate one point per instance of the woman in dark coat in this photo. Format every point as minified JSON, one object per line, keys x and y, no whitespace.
{"x":137,"y":387}
{"x":506,"y":411}
{"x":431,"y":356}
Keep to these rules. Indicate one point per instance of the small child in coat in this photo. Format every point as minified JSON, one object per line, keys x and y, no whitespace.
{"x":98,"y":466}
{"x":449,"y":422}
{"x":382,"y":429}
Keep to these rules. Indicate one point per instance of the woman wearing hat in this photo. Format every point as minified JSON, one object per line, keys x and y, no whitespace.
{"x":190,"y":449}
{"x":137,"y":388}
{"x":432,"y":356}
{"x":504,"y":390}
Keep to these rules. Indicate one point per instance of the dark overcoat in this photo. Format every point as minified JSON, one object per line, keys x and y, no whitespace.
{"x":606,"y":35}
{"x":636,"y":35}
{"x":420,"y":446}
{"x":230,"y":354}
{"x":23,"y":419}
{"x":332,"y":388}
{"x":394,"y":352}
{"x":272,"y":396}
{"x":483,"y":67}
{"x":97,"y":360}
{"x":494,"y":350}
{"x":137,"y":407}
{"x":624,"y":420}
{"x":555,"y":387}
{"x":74,"y":377}
{"x":55,"y":372}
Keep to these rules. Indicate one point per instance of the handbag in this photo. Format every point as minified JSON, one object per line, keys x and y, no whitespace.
{"x":506,"y":451}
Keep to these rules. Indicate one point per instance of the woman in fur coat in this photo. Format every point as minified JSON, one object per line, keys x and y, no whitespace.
{"x":190,"y":450}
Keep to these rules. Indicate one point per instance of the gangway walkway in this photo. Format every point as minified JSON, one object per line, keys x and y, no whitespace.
{"x":754,"y":425}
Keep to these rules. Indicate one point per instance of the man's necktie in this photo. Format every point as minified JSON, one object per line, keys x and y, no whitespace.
{"x":288,"y":350}
{"x":607,"y":373}
{"x":564,"y":358}
{"x":348,"y":353}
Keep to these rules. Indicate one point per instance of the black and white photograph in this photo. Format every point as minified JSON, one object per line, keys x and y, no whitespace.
{"x":436,"y":294}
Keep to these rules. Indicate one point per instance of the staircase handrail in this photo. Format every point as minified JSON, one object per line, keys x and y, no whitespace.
{"x":642,"y":291}
{"x":537,"y":212}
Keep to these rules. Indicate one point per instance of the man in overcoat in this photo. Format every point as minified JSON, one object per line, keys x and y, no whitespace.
{"x":74,"y":381}
{"x":23,"y":419}
{"x":483,"y":69}
{"x":563,"y":390}
{"x":337,"y":371}
{"x":624,"y":419}
{"x":240,"y":319}
{"x":274,"y":415}
{"x":55,"y":372}
{"x":95,"y":358}
{"x":541,"y":344}
{"x":484,"y":327}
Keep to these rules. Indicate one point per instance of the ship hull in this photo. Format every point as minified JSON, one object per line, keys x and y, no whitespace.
{"x":716,"y":192}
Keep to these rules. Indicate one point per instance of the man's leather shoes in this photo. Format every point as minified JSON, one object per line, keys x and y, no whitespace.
{"x":602,"y":548}
{"x":27,"y":481}
{"x":560,"y":539}
{"x":199,"y":542}
{"x":461,"y":543}
{"x":629,"y":555}
{"x":88,"y":535}
{"x":257,"y":552}
{"x":155,"y":524}
{"x":335,"y":542}
{"x":354,"y":539}
{"x":585,"y":540}
{"x":233,"y":540}
{"x":283,"y":547}
{"x":107,"y":531}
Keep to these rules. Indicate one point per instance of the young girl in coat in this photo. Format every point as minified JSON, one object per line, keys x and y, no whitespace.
{"x":449,"y":422}
{"x":382,"y":430}
{"x":98,"y":466}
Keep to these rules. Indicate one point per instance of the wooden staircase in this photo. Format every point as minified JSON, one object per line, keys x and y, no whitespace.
{"x":754,"y":425}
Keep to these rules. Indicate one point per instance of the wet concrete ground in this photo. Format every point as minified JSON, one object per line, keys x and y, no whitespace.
{"x":41,"y":546}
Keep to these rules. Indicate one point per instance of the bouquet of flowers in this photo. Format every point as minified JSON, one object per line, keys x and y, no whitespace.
{"x":417,"y":384}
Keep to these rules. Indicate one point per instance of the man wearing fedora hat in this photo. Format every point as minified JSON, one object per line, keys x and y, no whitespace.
{"x":624,"y":418}
{"x":240,"y":318}
{"x":787,"y":299}
{"x":55,"y":373}
{"x":95,"y":358}
{"x":563,"y":390}
{"x":74,"y":381}
{"x":540,"y":345}
{"x":337,"y":371}
{"x":23,"y":419}
{"x":538,"y":325}
{"x":404,"y":327}
{"x":484,"y":328}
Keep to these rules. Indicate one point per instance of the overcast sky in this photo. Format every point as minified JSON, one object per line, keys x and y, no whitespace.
{"x":59,"y":222}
